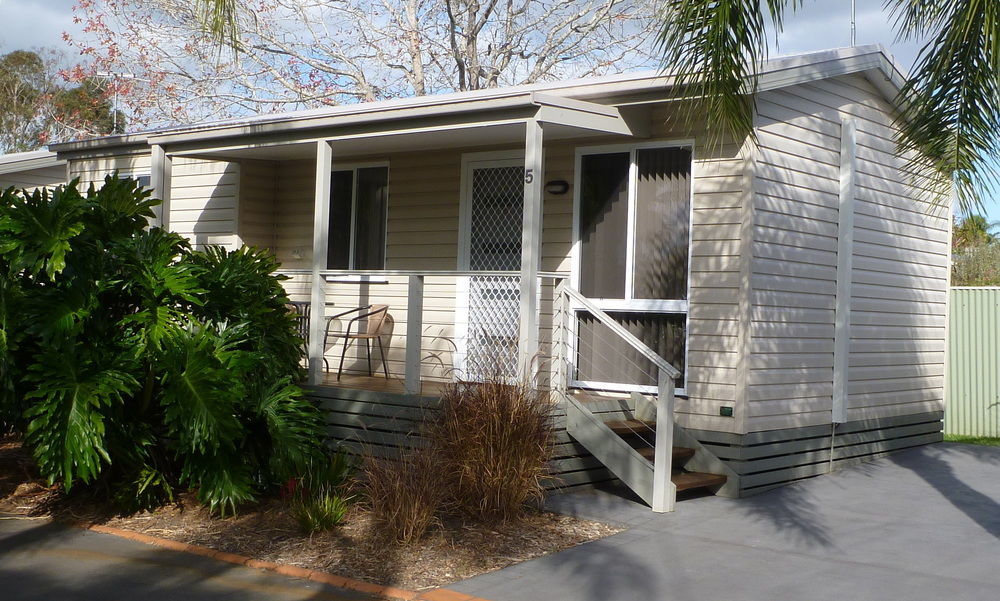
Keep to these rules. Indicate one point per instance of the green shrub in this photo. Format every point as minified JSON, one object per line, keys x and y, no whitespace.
{"x":132,"y":361}
{"x":321,"y":513}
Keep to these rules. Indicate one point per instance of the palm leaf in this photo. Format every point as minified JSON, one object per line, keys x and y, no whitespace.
{"x":713,"y":49}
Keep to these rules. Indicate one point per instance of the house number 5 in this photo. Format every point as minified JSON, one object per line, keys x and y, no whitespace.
{"x":529,"y":176}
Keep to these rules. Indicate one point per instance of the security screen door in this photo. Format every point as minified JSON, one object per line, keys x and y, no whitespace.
{"x":494,"y":213}
{"x":633,"y":237}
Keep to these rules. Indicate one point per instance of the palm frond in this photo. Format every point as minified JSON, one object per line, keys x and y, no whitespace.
{"x":220,"y":19}
{"x":950,"y":118}
{"x":713,"y":49}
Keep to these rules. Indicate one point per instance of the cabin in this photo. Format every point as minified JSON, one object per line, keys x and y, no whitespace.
{"x":32,"y":170}
{"x":723,"y":315}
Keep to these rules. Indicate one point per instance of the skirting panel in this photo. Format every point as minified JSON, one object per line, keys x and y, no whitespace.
{"x":383,"y":424}
{"x":765,"y":460}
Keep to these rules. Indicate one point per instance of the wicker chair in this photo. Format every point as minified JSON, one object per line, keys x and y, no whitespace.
{"x":376,"y":318}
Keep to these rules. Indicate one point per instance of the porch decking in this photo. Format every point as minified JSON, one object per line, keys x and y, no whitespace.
{"x":379,"y":384}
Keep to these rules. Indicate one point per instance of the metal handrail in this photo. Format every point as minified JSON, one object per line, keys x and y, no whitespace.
{"x":624,"y":334}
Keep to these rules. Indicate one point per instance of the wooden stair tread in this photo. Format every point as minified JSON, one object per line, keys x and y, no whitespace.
{"x":689,"y":480}
{"x":631,"y":426}
{"x":679,"y":454}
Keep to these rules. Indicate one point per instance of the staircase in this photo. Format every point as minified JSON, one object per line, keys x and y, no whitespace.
{"x":641,"y":436}
{"x":636,"y":438}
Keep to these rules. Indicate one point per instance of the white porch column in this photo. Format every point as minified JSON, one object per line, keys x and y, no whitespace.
{"x":321,"y":232}
{"x":160,"y":174}
{"x":531,"y":245}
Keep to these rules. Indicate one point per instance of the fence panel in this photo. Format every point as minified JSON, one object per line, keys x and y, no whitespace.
{"x":973,"y":394}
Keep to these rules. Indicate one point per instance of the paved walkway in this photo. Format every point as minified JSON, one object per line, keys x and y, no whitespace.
{"x":920,"y":525}
{"x":40,"y":560}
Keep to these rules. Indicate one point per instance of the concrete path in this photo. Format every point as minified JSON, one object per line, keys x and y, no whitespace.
{"x":40,"y":560}
{"x":920,"y":525}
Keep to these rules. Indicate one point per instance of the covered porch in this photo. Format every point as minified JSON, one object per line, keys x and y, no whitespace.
{"x":443,"y":216}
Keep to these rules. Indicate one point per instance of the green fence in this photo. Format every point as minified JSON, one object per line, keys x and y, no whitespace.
{"x":973,"y":394}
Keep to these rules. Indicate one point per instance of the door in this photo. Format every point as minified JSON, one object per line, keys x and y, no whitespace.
{"x":489,"y":305}
{"x":632,"y":240}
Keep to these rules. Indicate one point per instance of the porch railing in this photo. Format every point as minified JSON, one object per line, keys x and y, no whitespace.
{"x":569,"y":303}
{"x":447,"y":325}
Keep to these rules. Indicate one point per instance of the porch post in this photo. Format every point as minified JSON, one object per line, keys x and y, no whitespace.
{"x":159,"y":179}
{"x":531,"y":245}
{"x":321,"y":212}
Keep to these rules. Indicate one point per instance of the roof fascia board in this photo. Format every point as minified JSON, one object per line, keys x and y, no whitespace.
{"x":346,"y":120}
{"x":340,"y":134}
{"x":29,"y":164}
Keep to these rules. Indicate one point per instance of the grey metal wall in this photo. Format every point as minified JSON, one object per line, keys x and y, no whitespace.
{"x":973,"y":382}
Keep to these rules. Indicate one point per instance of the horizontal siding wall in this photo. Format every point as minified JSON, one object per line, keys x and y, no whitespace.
{"x":32,"y":179}
{"x":203,"y":201}
{"x":899,"y":265}
{"x":973,"y":399}
{"x":256,"y":203}
{"x":203,"y":205}
{"x":94,"y":170}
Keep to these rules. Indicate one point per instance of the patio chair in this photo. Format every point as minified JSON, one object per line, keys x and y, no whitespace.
{"x":377,"y":317}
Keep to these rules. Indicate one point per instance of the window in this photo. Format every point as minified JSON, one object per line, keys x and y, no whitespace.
{"x":633,"y":233}
{"x":358,"y":209}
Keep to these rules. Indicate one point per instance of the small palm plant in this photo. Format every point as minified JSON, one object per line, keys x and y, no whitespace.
{"x":131,"y":360}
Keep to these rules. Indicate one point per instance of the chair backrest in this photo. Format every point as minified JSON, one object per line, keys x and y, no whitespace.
{"x":301,"y":312}
{"x":376,"y":319}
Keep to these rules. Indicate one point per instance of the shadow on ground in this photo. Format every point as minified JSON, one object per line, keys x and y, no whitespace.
{"x":44,"y":560}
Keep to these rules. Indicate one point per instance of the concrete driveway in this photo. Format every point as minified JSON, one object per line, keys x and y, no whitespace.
{"x":40,"y":560}
{"x":922,"y":524}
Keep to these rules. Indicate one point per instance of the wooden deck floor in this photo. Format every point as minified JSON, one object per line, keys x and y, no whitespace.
{"x":379,"y":383}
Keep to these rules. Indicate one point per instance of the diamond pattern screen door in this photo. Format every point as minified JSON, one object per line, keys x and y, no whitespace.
{"x":489,"y":318}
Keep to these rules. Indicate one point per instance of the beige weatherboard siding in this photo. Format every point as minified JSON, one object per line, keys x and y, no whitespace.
{"x":899,"y":264}
{"x":768,"y":240}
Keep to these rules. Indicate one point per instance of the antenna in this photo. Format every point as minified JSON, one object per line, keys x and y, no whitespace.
{"x":854,"y":26}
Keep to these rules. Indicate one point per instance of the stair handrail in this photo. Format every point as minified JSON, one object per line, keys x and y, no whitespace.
{"x":662,"y":364}
{"x":664,"y":491}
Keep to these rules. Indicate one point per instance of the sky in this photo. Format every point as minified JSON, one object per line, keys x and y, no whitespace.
{"x":818,"y":25}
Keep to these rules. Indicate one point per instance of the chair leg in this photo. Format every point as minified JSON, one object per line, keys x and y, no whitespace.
{"x":368,"y":348}
{"x":340,"y":370}
{"x":381,"y":351}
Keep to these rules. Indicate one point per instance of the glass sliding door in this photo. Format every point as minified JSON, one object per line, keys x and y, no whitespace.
{"x":633,"y":239}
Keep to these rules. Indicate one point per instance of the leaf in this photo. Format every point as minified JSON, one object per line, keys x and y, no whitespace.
{"x":66,"y":430}
{"x":199,"y":395}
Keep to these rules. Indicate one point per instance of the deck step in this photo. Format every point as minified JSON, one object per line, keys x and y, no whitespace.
{"x":689,"y":480}
{"x":679,"y":454}
{"x":627,"y":427}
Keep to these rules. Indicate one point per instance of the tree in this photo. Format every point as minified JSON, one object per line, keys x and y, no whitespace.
{"x":308,"y":53}
{"x":37,"y":107}
{"x":973,"y":231}
{"x":949,"y":118}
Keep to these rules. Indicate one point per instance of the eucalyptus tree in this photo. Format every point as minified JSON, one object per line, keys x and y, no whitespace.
{"x":949,"y":115}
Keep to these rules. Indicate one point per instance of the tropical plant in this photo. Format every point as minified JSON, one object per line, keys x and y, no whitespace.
{"x":949,"y":117}
{"x":133,"y":361}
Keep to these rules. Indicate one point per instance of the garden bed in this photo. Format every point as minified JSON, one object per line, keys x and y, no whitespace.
{"x":451,"y":551}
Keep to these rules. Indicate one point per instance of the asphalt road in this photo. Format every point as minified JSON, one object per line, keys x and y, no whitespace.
{"x":40,"y":560}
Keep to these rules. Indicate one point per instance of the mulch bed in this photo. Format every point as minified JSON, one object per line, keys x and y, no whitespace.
{"x":451,"y":551}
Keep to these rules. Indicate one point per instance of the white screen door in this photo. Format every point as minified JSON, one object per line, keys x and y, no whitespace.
{"x":489,"y":309}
